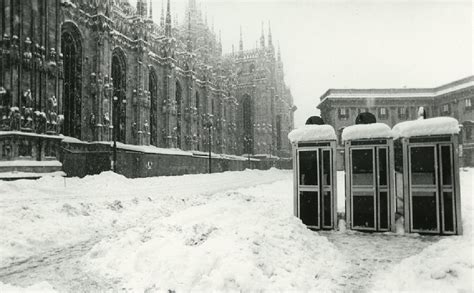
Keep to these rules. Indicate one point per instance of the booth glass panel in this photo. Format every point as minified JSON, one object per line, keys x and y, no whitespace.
{"x":422,"y":160}
{"x":383,"y":210}
{"x":448,"y":212}
{"x":309,"y":212}
{"x":326,"y":154}
{"x":362,"y":167}
{"x":363,"y":210}
{"x":327,"y":209}
{"x":308,"y":165}
{"x":383,"y":166}
{"x":446,"y":165}
{"x":424,"y":211}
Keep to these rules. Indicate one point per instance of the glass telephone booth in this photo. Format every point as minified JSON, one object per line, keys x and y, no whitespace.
{"x":369,"y":158}
{"x":314,"y":168}
{"x":431,"y":179}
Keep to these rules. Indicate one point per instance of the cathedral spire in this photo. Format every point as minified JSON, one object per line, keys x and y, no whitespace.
{"x":168,"y":20}
{"x":141,"y":8}
{"x":262,"y":38}
{"x":192,"y":5}
{"x":241,"y":42}
{"x":151,"y":11}
{"x":270,"y":41}
{"x":189,"y":43}
{"x":279,"y":52}
{"x":162,"y":18}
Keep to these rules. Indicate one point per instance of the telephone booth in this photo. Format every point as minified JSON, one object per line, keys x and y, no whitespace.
{"x":314,"y":165}
{"x":369,"y":165}
{"x":431,"y":192}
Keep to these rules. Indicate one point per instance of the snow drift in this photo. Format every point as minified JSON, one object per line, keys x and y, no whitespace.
{"x":445,"y":266}
{"x":246,"y":240}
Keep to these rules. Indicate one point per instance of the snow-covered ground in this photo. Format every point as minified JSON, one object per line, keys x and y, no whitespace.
{"x":226,"y":231}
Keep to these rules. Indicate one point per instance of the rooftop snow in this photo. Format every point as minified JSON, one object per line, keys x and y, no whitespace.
{"x":364,"y":131}
{"x":312,"y":132}
{"x":397,"y":93}
{"x":425,"y":127}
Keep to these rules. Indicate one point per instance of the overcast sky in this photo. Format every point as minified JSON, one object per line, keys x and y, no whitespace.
{"x":350,"y":44}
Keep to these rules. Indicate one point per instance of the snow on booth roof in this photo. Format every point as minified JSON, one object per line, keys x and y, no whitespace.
{"x":364,"y":131}
{"x":426,"y":127}
{"x":312,"y":132}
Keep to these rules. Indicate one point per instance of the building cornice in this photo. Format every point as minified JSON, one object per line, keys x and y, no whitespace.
{"x":398,"y":93}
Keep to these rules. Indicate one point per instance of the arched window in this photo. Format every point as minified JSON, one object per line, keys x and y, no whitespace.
{"x":119,"y":75}
{"x":71,"y":48}
{"x":198,"y":112}
{"x":179,"y":102}
{"x":247,"y":124}
{"x":153,"y":88}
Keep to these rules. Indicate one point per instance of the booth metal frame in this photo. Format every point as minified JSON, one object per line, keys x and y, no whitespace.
{"x":452,"y":141}
{"x":323,"y":145}
{"x":373,"y":144}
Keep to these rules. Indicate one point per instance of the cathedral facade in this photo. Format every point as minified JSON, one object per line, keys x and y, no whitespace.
{"x":103,"y":70}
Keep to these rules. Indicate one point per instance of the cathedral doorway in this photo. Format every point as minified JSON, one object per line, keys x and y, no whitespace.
{"x":71,"y":48}
{"x":119,"y":76}
{"x":153,"y":88}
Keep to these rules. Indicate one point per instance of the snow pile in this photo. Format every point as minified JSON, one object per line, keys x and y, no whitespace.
{"x":40,"y":287}
{"x":366,"y":131}
{"x":445,"y":266}
{"x":312,"y":132}
{"x":245,"y":240}
{"x":425,"y":127}
{"x":34,"y":213}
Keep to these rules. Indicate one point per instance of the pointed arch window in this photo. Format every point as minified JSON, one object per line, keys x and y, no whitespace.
{"x":198,"y":114}
{"x":71,"y":48}
{"x":119,"y":76}
{"x":179,"y":102}
{"x":153,"y":88}
{"x":247,"y":124}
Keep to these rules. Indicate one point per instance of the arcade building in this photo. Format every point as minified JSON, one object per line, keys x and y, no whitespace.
{"x":340,"y":107}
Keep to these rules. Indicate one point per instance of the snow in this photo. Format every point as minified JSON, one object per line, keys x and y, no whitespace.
{"x":426,"y":127}
{"x":244,"y":240}
{"x":30,"y":163}
{"x":312,"y":133}
{"x":231,"y":231}
{"x":445,"y":266}
{"x":366,"y":131}
{"x":15,"y":174}
{"x":39,"y":287}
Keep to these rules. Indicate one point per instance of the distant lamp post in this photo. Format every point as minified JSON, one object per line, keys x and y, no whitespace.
{"x":208,"y":124}
{"x":248,"y":141}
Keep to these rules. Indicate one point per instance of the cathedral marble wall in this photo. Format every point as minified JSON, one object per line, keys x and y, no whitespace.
{"x":98,"y":69}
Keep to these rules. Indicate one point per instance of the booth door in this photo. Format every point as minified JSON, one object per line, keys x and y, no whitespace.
{"x":370,"y":202}
{"x":316,"y":203}
{"x":327,"y":200}
{"x":363,"y":188}
{"x":432,"y":207}
{"x":308,"y":188}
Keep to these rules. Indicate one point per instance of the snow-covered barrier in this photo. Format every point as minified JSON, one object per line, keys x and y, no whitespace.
{"x":314,"y":165}
{"x":428,"y":175}
{"x":369,"y":165}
